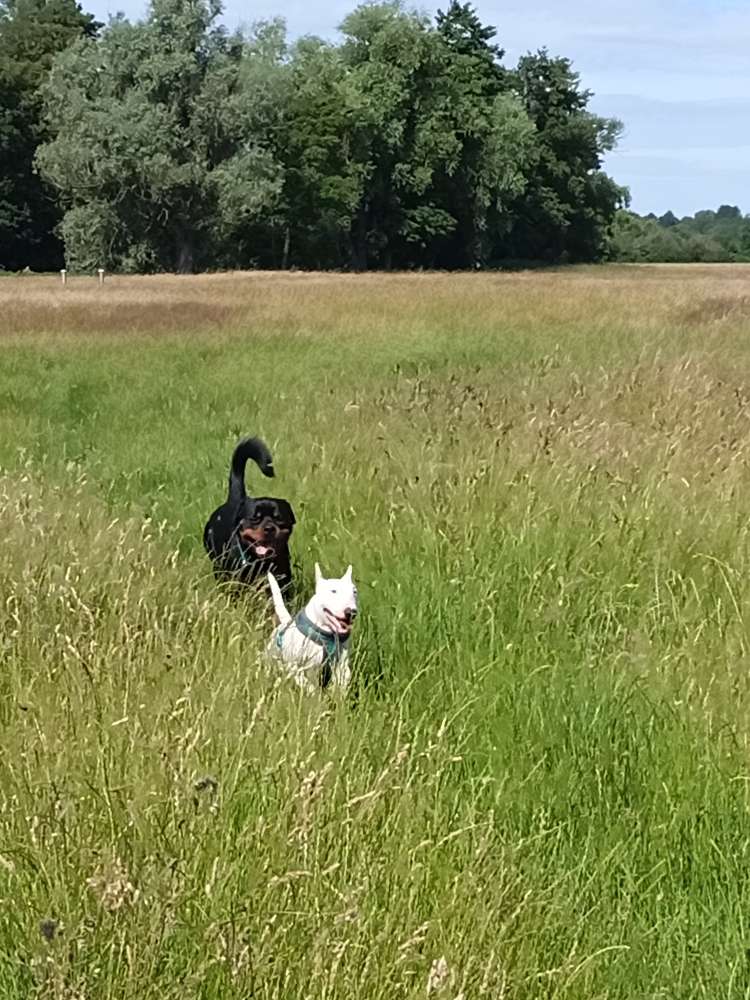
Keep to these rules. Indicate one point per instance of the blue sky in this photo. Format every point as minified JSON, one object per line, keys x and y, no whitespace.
{"x":676,"y":72}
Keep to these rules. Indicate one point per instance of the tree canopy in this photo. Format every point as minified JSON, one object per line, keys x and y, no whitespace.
{"x":172,"y":144}
{"x":32,"y":33}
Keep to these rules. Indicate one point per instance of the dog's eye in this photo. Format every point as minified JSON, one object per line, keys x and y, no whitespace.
{"x":333,"y":590}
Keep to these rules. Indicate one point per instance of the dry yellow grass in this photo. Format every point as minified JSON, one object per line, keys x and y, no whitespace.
{"x":643,"y":298}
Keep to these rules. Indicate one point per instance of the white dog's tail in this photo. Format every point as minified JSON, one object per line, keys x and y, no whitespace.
{"x":278,"y":601}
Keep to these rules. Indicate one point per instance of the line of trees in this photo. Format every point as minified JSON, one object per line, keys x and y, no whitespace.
{"x":173,"y":144}
{"x":708,"y":236}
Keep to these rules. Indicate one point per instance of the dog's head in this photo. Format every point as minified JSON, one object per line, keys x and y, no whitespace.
{"x":265,"y":525}
{"x":336,"y":602}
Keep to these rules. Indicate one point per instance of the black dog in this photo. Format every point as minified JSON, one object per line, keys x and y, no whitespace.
{"x":248,"y":536}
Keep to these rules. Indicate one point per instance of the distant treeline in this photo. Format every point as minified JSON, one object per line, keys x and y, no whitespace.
{"x":707,"y":236}
{"x":173,"y":144}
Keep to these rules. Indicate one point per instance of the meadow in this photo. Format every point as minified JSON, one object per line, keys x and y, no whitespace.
{"x":538,"y":786}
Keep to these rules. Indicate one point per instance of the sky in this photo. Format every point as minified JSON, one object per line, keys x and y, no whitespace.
{"x":675,"y":72}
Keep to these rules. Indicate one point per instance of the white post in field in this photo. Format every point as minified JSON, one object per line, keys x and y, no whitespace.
{"x":101,"y":275}
{"x":64,"y":275}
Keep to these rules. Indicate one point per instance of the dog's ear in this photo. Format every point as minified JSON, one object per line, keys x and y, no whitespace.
{"x":286,"y":513}
{"x":318,"y":575}
{"x":348,"y":574}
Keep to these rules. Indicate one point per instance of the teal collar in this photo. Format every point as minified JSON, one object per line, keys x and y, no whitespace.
{"x":240,"y":550}
{"x":328,"y":640}
{"x":330,"y":644}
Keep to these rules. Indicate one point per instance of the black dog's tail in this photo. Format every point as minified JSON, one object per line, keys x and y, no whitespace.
{"x":248,"y":448}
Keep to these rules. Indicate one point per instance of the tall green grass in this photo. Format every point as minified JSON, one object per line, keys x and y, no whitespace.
{"x":538,"y":786}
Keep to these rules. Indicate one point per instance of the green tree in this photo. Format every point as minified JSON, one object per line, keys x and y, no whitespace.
{"x":708,"y":237}
{"x":668,"y":220}
{"x":325,"y":164}
{"x":251,"y":224}
{"x":426,"y":127}
{"x":465,"y":35}
{"x":155,"y":154}
{"x":569,"y":202}
{"x":32,"y":32}
{"x":494,"y":133}
{"x":394,"y":61}
{"x":729,"y":212}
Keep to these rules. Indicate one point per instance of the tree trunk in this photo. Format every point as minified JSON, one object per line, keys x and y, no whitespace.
{"x":184,"y":253}
{"x":358,"y":240}
{"x":285,"y":252}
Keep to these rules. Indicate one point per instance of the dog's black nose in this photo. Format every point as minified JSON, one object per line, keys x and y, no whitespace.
{"x":350,"y":614}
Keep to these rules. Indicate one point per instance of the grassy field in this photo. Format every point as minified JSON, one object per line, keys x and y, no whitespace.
{"x":539,"y":787}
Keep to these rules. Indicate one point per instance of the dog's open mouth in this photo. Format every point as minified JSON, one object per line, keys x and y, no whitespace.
{"x":263,"y":551}
{"x":339,"y":626}
{"x":261,"y":548}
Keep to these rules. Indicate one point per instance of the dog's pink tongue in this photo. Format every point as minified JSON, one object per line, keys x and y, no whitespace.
{"x":262,"y":550}
{"x":340,"y":627}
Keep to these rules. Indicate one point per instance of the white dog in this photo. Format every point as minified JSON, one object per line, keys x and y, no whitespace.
{"x":314,"y":645}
